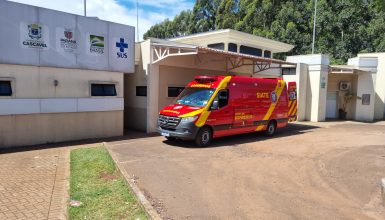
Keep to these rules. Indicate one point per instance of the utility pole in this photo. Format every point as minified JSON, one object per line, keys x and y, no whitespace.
{"x":137,"y":21}
{"x":314,"y":26}
{"x":85,"y":8}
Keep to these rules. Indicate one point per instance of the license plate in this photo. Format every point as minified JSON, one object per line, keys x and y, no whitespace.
{"x":166,"y":134}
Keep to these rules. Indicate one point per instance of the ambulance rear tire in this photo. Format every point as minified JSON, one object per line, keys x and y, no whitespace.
{"x":204,"y":137}
{"x":271,"y":128}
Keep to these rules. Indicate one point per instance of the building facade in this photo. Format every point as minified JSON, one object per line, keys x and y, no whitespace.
{"x":61,"y":75}
{"x":354,"y":91}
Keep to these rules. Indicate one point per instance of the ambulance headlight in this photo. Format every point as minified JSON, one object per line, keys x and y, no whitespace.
{"x":189,"y":119}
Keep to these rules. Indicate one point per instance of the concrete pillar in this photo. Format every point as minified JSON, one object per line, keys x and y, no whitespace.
{"x":301,"y":78}
{"x":375,"y":63}
{"x":152,"y":97}
{"x":365,"y":87}
{"x":316,"y":86}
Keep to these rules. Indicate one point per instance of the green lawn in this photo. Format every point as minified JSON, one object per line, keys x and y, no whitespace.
{"x":96,"y":182}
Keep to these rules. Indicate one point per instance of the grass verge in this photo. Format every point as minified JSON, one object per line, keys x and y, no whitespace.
{"x":99,"y":186}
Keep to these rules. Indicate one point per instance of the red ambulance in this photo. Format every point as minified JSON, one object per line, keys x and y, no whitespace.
{"x":216,"y":106}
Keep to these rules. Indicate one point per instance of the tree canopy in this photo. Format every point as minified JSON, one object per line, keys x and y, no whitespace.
{"x":344,"y":27}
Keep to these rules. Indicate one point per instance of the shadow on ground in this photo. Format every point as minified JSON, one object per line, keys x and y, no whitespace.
{"x":290,"y":130}
{"x":128,"y":135}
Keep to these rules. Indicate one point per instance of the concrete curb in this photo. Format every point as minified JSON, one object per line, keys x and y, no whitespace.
{"x":151,"y":212}
{"x":383,"y":191}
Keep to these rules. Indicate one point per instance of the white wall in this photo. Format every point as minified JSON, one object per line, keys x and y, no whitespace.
{"x":40,"y":112}
{"x":316,"y":88}
{"x":365,"y":86}
{"x":375,"y":63}
{"x":301,"y":79}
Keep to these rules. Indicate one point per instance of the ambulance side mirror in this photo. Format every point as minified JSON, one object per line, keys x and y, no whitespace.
{"x":215,"y":104}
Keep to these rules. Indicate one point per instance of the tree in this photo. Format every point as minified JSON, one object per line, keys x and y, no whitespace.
{"x":344,"y":28}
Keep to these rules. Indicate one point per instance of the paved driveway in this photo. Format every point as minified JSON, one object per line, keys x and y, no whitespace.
{"x":308,"y":171}
{"x":33,"y":184}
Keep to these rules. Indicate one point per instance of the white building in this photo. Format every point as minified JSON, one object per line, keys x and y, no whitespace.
{"x":61,"y":75}
{"x":357,"y":88}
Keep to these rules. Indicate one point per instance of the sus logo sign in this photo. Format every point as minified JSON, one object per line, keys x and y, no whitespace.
{"x":121,"y":45}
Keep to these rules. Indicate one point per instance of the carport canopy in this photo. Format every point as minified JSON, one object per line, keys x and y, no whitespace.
{"x":345,"y":69}
{"x":161,"y":49}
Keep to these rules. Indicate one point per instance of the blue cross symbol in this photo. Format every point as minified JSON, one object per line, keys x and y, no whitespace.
{"x":121,"y":45}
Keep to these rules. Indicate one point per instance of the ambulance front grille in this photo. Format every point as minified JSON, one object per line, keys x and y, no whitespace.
{"x":168,"y":122}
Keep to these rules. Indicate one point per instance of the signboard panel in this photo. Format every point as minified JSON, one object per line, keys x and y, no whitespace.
{"x":41,"y":37}
{"x":122,"y":47}
{"x":11,"y":17}
{"x":93,"y":51}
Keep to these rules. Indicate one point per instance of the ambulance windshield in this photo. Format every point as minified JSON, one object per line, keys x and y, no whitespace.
{"x":197,"y":97}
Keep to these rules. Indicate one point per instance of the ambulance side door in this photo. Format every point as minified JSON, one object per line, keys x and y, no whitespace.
{"x":221,"y":116}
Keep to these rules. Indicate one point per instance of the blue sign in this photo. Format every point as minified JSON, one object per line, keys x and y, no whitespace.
{"x":121,"y":45}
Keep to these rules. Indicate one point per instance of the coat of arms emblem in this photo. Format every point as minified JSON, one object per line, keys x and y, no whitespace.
{"x":68,"y":34}
{"x":34,"y":31}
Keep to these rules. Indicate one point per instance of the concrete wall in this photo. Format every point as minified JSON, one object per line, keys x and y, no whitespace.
{"x":31,"y":129}
{"x":375,"y":62}
{"x":365,"y":86}
{"x":316,"y":88}
{"x":301,"y":78}
{"x":135,"y":107}
{"x":40,"y":112}
{"x":38,"y":82}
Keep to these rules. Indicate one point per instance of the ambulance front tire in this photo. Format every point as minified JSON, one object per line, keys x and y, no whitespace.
{"x":204,"y":137}
{"x":271,"y":128}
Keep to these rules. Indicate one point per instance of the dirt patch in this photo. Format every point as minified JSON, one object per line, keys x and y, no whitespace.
{"x":109,"y":176}
{"x":157,"y":204}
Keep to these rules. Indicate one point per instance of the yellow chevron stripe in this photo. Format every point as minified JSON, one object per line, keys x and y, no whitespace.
{"x":278,"y":90}
{"x":290,"y":102}
{"x":293,"y":108}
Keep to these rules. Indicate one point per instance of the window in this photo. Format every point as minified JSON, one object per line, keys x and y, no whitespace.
{"x":267,"y":54}
{"x":250,"y":51}
{"x":174,"y":91}
{"x":221,"y":100}
{"x":103,"y":89}
{"x":5,"y":88}
{"x":233,"y":47}
{"x":141,"y":91}
{"x":196,"y":97}
{"x":219,"y":46}
{"x":289,"y":71}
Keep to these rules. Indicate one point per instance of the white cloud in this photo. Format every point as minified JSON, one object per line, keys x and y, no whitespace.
{"x":111,"y":10}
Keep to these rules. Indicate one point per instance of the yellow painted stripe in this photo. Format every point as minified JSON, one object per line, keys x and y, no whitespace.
{"x":278,"y":90}
{"x":293,"y":108}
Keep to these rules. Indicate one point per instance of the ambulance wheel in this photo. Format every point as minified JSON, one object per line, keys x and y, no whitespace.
{"x":204,"y":137}
{"x":271,"y":128}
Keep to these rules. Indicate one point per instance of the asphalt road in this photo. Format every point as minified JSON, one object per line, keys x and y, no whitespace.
{"x":308,"y":171}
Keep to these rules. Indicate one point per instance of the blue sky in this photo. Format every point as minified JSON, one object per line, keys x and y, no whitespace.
{"x":120,"y":11}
